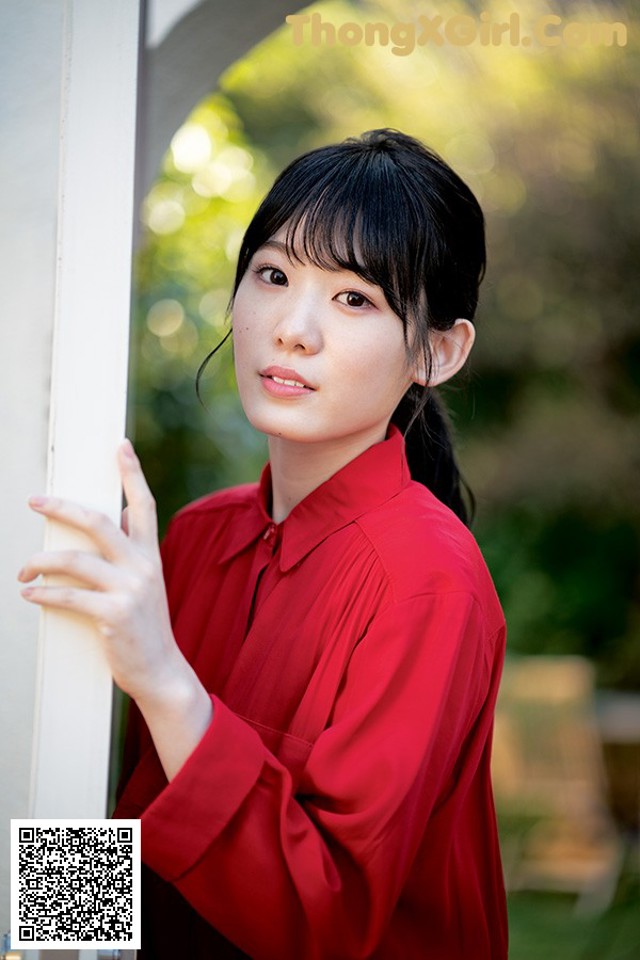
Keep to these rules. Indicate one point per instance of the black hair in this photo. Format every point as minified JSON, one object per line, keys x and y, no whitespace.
{"x":388,"y":208}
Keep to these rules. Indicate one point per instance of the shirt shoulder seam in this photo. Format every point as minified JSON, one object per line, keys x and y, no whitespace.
{"x":218,"y":501}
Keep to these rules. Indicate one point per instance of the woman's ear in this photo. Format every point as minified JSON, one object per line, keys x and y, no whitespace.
{"x":449,"y":351}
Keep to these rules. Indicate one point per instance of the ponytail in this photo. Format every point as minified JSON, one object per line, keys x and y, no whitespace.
{"x":423,"y":420}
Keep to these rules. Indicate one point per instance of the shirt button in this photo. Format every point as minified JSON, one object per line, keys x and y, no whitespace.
{"x":270,"y":533}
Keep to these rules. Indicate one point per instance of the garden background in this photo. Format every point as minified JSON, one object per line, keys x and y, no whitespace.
{"x":548,"y":417}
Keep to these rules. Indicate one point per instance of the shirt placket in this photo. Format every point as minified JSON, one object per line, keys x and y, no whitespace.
{"x":269,"y":545}
{"x":264,"y":551}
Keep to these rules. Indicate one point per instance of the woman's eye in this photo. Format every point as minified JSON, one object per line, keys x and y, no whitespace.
{"x":272,"y":275}
{"x":354,"y":299}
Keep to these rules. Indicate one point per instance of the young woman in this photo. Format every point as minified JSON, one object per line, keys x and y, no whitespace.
{"x":314,"y":671}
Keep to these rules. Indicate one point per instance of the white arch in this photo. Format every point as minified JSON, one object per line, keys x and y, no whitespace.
{"x":188,"y":61}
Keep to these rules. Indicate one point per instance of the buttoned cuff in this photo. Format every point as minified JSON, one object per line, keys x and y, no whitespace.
{"x":198,"y":803}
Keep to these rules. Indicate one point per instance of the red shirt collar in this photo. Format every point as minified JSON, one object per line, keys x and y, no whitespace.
{"x":374,"y":477}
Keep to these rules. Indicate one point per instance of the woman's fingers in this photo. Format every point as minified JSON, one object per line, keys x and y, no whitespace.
{"x":86,"y":567}
{"x":141,"y":520}
{"x":104,"y":533}
{"x":120,"y":587}
{"x":91,"y":603}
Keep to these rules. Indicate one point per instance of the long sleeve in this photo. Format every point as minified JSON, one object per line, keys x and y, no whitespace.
{"x":339,"y":806}
{"x":309,"y":859}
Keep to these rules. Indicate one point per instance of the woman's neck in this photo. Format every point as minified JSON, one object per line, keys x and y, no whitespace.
{"x":298,"y":468}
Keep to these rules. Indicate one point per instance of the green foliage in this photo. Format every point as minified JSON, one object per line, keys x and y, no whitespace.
{"x":195,"y":216}
{"x":548,"y":420}
{"x":548,"y":925}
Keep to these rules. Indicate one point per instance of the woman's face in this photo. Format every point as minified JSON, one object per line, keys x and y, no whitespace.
{"x":320,"y":356}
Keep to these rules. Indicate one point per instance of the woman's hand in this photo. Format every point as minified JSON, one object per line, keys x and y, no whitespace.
{"x":121,"y":588}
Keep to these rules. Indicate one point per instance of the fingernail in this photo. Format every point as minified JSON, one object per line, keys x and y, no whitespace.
{"x":21,"y":573}
{"x":27,"y":591}
{"x":128,"y":450}
{"x":37,"y":502}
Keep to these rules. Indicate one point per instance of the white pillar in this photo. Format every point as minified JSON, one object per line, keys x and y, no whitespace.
{"x":89,"y":377}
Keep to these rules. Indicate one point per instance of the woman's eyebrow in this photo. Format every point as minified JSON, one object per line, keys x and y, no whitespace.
{"x":277,"y":245}
{"x":291,"y":255}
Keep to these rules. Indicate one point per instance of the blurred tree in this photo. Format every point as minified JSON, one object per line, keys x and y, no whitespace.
{"x":195,"y":216}
{"x":548,"y":421}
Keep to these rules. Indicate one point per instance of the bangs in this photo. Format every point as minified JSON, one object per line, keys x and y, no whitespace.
{"x":391,"y":211}
{"x":355,"y":229}
{"x":350,"y":214}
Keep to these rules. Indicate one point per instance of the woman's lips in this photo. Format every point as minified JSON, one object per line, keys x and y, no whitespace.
{"x":283,"y":382}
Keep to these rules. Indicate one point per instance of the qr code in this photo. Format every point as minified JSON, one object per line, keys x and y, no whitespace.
{"x":75,"y":884}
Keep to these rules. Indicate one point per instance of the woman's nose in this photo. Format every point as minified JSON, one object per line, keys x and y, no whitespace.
{"x":298,"y":325}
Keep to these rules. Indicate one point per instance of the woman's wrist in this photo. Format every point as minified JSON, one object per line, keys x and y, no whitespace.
{"x":177,"y":711}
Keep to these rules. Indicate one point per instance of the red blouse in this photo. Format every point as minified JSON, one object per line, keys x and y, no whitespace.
{"x":339,"y":806}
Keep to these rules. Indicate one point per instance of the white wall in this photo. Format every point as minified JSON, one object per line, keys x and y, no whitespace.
{"x":31,"y":58}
